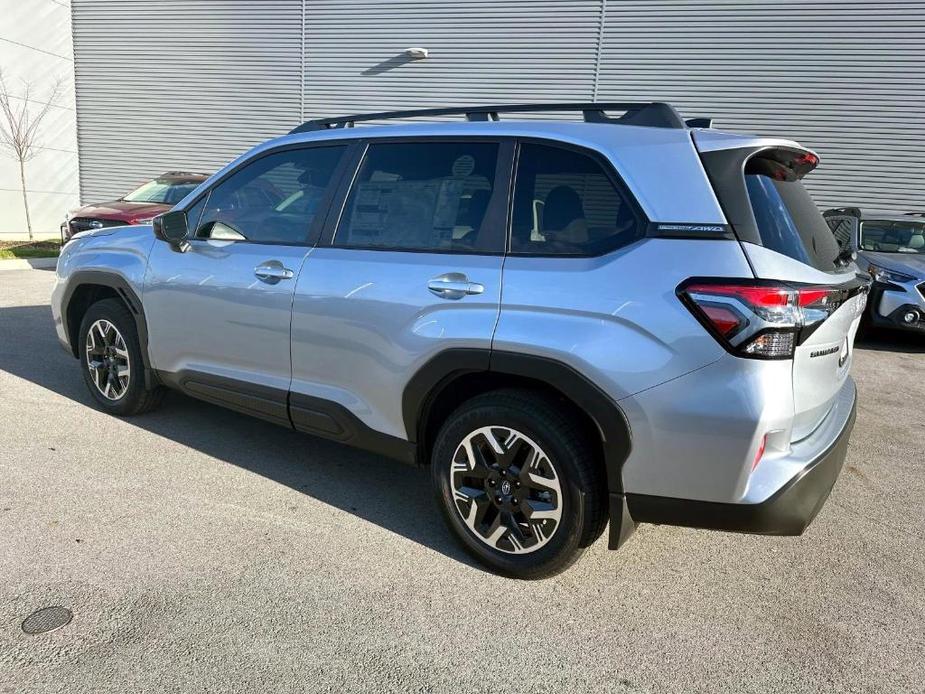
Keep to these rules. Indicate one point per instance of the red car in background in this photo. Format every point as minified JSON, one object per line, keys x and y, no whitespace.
{"x":138,"y":207}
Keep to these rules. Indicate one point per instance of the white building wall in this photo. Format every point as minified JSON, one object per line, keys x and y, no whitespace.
{"x":35,"y":45}
{"x":189,"y":84}
{"x":180,"y":85}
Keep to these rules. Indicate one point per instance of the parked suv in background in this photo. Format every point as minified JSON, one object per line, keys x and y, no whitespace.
{"x":891,"y":247}
{"x":138,"y":207}
{"x":624,"y":319}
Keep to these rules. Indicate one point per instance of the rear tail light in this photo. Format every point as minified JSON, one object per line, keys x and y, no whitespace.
{"x":761,"y":319}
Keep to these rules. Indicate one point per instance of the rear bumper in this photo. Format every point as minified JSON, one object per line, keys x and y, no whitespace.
{"x":787,"y":512}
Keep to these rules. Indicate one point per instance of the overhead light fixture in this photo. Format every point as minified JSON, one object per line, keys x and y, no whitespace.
{"x":416,"y":53}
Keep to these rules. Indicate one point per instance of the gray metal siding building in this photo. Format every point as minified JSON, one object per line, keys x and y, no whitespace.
{"x":190,"y":84}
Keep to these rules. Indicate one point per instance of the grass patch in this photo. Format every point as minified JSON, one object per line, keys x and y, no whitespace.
{"x":24,"y":249}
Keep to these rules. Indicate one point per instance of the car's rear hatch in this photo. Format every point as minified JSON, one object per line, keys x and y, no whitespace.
{"x":785,"y":238}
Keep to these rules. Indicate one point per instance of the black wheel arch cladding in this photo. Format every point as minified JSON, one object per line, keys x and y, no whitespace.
{"x":85,"y":286}
{"x":447,"y":367}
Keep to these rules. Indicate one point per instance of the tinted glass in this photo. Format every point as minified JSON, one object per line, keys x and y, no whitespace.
{"x":566,"y":204}
{"x":273,"y":199}
{"x":790,"y":223}
{"x":421,"y":196}
{"x":893,"y":237}
{"x":194,"y":213}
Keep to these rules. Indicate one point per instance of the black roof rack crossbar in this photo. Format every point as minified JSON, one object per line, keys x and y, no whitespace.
{"x":652,"y":114}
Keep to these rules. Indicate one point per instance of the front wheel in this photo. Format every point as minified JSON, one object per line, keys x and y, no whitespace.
{"x":110,"y":355}
{"x":518,"y":483}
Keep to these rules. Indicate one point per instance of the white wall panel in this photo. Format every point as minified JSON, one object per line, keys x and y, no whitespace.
{"x":481,"y":51}
{"x":844,"y":78}
{"x":35,"y":46}
{"x":180,"y":84}
{"x":167,"y":84}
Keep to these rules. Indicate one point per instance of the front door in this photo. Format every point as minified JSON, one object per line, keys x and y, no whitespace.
{"x":412,"y":268}
{"x":218,"y":314}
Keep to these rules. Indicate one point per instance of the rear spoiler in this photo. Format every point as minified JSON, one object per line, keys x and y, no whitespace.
{"x":727,"y":158}
{"x":782,"y":159}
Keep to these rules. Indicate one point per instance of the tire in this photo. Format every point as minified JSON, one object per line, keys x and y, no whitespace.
{"x":114,"y":350}
{"x":489,"y":489}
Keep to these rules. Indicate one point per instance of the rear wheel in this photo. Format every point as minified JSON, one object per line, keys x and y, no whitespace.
{"x":111,"y":361}
{"x":518,"y":483}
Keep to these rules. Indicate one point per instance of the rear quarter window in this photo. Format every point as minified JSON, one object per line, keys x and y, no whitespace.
{"x":565,"y":203}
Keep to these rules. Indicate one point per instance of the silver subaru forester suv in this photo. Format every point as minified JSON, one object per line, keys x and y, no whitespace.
{"x":630,"y":319}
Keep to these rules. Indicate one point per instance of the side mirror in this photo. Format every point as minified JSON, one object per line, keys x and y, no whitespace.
{"x":172,"y":228}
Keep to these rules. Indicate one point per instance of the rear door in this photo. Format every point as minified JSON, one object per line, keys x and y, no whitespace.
{"x":409,"y":266}
{"x":785,"y":237}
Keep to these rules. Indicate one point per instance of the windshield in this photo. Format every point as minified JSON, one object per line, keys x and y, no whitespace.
{"x":160,"y":190}
{"x":893,"y":237}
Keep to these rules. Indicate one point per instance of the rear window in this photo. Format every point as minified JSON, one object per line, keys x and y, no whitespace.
{"x":790,"y":223}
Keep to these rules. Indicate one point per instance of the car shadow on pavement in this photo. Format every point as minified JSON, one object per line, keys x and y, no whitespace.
{"x":891,"y":341}
{"x":332,"y":473}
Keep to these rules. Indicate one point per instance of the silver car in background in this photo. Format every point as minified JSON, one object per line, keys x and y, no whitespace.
{"x":890,"y":247}
{"x":631,"y":319}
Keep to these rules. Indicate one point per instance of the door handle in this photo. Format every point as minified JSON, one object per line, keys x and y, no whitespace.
{"x":273,"y":271}
{"x":454,"y":285}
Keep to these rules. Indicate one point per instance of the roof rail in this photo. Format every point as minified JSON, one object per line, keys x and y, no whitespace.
{"x":653,"y":114}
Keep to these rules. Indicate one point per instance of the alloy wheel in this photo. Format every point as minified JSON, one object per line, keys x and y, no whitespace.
{"x":506,"y":489}
{"x":108,"y":360}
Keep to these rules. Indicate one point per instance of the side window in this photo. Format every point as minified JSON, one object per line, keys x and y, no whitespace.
{"x":194,"y":213}
{"x":421,"y":196}
{"x":566,"y":204}
{"x":271,"y":200}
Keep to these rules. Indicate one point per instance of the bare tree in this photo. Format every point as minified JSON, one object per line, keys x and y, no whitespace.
{"x":19,"y":129}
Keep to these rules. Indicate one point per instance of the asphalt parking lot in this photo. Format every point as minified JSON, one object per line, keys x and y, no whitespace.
{"x":203,"y":550}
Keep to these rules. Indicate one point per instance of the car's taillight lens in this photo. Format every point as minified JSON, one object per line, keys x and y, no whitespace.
{"x":760,"y":319}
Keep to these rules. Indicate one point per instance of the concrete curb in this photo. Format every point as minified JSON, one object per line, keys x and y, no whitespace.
{"x":29,"y":264}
